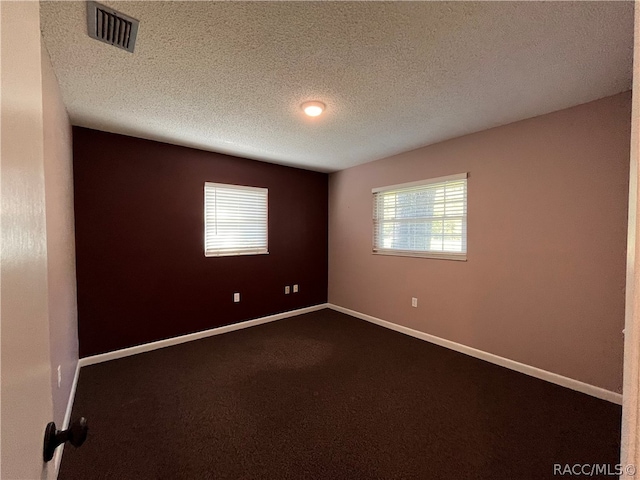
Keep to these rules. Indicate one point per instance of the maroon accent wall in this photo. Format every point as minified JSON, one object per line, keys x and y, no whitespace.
{"x":141,"y":270}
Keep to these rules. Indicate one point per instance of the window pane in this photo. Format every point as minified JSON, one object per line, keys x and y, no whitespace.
{"x":235,"y":219}
{"x":427,"y":217}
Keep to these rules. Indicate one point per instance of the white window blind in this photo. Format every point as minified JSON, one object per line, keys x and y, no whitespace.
{"x":426,"y":218}
{"x":235,"y":220}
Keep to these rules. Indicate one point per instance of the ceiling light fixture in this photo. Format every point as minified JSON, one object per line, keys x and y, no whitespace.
{"x":313,"y":109}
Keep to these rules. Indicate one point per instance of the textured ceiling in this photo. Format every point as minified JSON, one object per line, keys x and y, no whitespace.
{"x":230,"y":76}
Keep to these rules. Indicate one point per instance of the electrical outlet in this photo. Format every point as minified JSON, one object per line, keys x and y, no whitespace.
{"x":287,"y":290}
{"x":236,"y":297}
{"x":59,"y":375}
{"x":414,"y":302}
{"x":295,"y":288}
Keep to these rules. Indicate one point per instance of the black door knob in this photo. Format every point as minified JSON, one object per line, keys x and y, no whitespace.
{"x":76,"y":434}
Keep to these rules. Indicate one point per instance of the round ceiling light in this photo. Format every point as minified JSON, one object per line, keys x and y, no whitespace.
{"x":313,"y":109}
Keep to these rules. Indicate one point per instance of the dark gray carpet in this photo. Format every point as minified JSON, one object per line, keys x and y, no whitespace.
{"x":328,"y":396}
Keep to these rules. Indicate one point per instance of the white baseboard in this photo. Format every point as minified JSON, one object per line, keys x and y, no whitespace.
{"x":146,"y":347}
{"x":567,"y":382}
{"x":57,"y":459}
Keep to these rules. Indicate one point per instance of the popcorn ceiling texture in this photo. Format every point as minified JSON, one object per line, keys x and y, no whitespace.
{"x":230,"y":76}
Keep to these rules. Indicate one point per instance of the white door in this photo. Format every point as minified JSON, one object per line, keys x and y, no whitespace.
{"x":26,"y":405}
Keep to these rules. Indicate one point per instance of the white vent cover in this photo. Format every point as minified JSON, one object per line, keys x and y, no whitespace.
{"x":109,"y":26}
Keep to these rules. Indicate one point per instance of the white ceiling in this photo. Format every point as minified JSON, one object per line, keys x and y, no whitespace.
{"x":230,"y":76}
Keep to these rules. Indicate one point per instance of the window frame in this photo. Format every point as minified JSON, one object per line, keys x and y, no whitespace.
{"x":462,"y":256}
{"x":238,"y":252}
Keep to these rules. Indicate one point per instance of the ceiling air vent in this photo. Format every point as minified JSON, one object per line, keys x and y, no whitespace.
{"x":109,"y":26}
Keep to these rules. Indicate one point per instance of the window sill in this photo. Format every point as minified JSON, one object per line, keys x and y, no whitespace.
{"x":461,"y":257}
{"x":233,"y":254}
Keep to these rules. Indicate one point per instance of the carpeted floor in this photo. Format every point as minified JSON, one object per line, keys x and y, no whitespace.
{"x":327,"y":396}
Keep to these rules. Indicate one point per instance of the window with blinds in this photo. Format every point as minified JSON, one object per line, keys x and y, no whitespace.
{"x":235,"y":220}
{"x":422,"y":219}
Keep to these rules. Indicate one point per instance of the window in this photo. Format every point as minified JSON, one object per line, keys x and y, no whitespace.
{"x":422,"y":219}
{"x":235,"y":220}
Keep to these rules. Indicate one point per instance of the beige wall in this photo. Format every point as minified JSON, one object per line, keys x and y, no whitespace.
{"x":547,"y":214}
{"x":37,"y":269}
{"x":61,"y":260}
